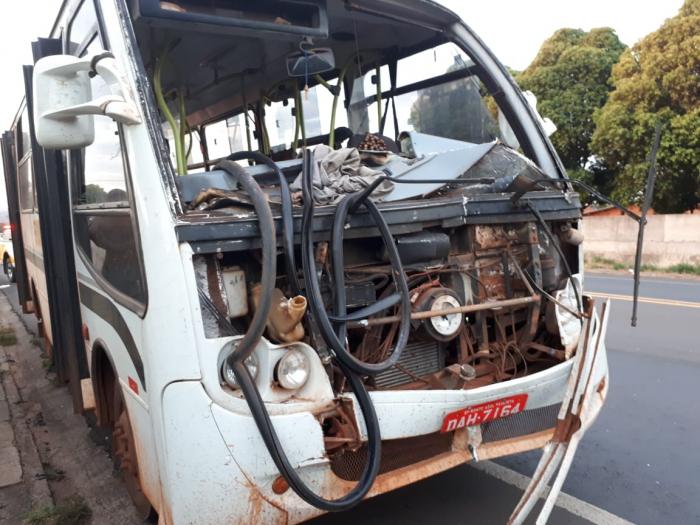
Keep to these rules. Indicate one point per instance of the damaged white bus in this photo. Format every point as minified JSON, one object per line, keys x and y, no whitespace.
{"x":304,"y":252}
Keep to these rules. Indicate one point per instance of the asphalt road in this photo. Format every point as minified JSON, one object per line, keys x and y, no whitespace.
{"x":639,"y":461}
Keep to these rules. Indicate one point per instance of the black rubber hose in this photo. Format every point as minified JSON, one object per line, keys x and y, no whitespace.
{"x":335,"y":335}
{"x":340,"y":304}
{"x":287,"y":217}
{"x":250,"y":390}
{"x":268,"y":276}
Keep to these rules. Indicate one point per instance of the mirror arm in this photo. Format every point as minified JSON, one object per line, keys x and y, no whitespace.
{"x":120,"y":105}
{"x":108,"y":69}
{"x":112,"y":106}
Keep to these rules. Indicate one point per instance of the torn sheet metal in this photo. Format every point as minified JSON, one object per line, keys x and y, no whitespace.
{"x":450,"y":164}
{"x":582,"y":403}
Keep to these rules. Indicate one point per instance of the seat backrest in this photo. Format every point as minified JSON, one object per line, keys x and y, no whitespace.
{"x":191,"y":184}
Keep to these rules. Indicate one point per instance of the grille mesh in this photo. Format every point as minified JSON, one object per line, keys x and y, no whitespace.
{"x":421,"y":359}
{"x":396,"y":453}
{"x":521,"y":424}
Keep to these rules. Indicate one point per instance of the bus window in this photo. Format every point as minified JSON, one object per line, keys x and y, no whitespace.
{"x":26,"y":186}
{"x":24,"y":143}
{"x":103,"y":218}
{"x":82,"y":28}
{"x":227,"y":136}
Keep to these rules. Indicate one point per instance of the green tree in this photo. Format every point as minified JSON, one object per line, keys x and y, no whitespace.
{"x":658,"y":79}
{"x":570,"y":77}
{"x":94,"y":193}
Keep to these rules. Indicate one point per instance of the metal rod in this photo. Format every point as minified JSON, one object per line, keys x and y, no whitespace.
{"x":417,"y":316}
{"x":648,"y":196}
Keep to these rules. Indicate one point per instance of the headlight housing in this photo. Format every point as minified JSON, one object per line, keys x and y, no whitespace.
{"x":292,"y":370}
{"x":227,"y":372}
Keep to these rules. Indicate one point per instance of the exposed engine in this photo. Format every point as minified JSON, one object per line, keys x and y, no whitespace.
{"x":483,"y":303}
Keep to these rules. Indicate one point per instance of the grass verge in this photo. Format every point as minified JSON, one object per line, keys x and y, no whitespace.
{"x":597,"y":262}
{"x":72,"y":511}
{"x":7,"y":336}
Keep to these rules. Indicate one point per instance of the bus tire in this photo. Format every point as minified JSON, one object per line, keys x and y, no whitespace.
{"x":124,"y":456}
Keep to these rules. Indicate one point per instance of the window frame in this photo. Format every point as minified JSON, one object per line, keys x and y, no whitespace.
{"x":117,"y":208}
{"x":24,"y":157}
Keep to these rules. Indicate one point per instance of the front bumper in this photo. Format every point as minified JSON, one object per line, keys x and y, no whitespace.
{"x":233,"y":478}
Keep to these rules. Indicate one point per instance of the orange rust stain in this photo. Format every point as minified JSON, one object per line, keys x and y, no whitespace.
{"x":398,"y":478}
{"x":256,"y":506}
{"x":601,"y":387}
{"x":151,"y":493}
{"x":515,"y":445}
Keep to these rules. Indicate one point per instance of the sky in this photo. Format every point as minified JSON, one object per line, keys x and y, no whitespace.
{"x":513,"y":29}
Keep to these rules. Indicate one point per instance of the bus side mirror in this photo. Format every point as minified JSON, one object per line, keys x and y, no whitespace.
{"x":63,"y":103}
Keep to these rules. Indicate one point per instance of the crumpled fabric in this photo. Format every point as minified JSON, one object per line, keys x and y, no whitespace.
{"x":339,"y":172}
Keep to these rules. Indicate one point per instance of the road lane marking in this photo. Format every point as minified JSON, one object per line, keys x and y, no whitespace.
{"x":649,"y":300}
{"x":4,"y":286}
{"x":575,"y":506}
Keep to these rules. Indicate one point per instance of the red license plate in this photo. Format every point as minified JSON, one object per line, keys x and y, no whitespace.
{"x":478,"y":414}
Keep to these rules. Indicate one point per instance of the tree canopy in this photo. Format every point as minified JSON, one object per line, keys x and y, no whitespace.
{"x":570,"y":77}
{"x":656,"y":79}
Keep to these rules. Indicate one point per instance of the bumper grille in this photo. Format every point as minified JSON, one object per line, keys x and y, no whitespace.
{"x":420,"y":359}
{"x":521,"y":424}
{"x":396,"y":453}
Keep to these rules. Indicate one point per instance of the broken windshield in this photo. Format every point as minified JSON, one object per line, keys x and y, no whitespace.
{"x":433,"y":92}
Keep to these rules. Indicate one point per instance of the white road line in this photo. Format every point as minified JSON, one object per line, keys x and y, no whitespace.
{"x":4,"y":286}
{"x":569,"y":503}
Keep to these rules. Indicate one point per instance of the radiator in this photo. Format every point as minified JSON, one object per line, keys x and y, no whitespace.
{"x":421,"y":358}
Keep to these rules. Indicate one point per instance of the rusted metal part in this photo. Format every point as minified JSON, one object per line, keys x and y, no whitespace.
{"x":416,"y":316}
{"x":215,"y":285}
{"x":321,"y":255}
{"x":280,"y":485}
{"x":514,"y":445}
{"x":491,"y":277}
{"x":560,"y":355}
{"x":487,"y":237}
{"x":400,"y":477}
{"x":125,"y":457}
{"x":340,"y":429}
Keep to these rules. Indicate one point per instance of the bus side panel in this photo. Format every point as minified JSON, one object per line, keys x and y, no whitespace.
{"x":9,"y":162}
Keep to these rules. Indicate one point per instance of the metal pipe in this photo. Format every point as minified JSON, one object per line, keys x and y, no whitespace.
{"x":418,"y":316}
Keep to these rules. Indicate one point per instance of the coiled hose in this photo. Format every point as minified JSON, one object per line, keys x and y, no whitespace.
{"x":245,"y":347}
{"x":335,"y":336}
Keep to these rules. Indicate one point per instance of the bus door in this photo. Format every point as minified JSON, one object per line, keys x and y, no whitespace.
{"x":57,"y":245}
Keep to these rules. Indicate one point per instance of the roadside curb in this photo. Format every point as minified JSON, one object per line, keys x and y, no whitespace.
{"x":32,"y":471}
